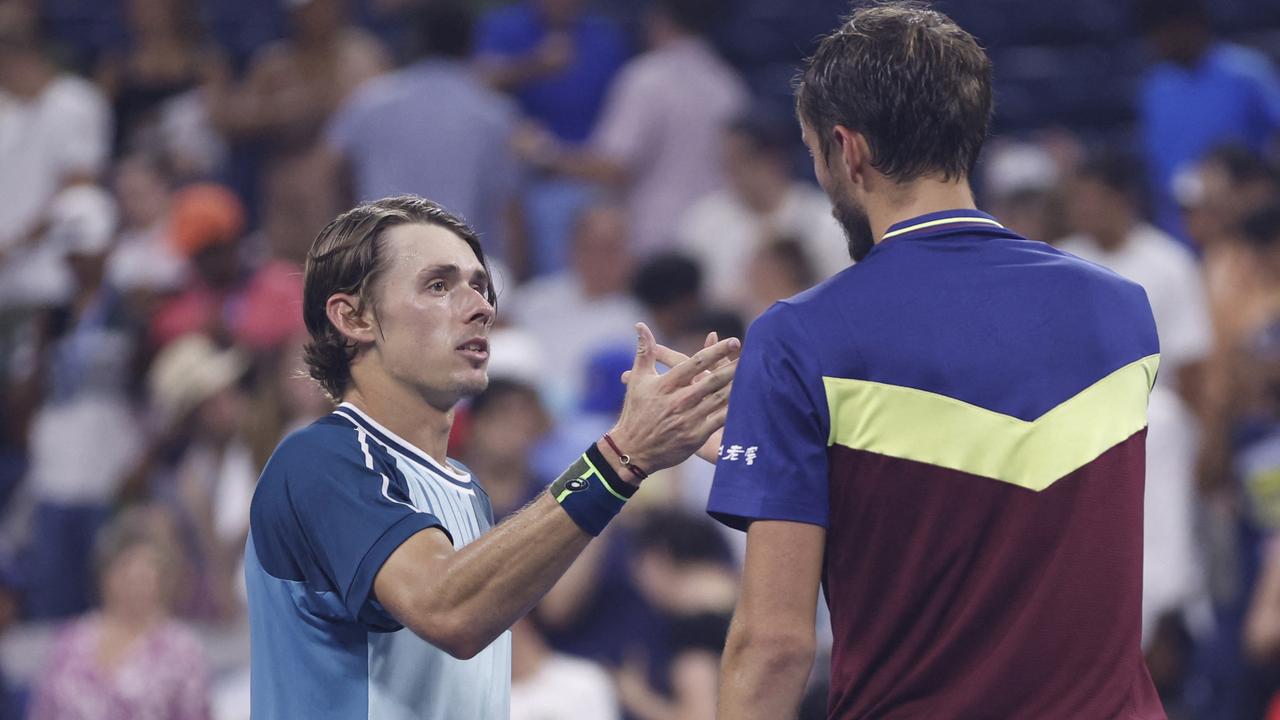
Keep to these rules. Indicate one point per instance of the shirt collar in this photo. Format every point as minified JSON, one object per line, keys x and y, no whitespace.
{"x":942,"y":220}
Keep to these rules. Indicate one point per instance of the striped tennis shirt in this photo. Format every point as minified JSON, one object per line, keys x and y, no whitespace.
{"x":335,"y":500}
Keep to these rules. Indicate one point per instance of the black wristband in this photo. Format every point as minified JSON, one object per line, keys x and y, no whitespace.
{"x":591,"y":492}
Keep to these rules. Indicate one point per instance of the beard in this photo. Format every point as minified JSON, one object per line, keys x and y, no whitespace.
{"x":857,"y":227}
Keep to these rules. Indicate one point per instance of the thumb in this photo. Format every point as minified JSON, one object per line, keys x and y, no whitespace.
{"x":645,"y":362}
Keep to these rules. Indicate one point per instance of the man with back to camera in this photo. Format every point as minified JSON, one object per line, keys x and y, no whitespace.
{"x":377,"y":585}
{"x":949,"y":434}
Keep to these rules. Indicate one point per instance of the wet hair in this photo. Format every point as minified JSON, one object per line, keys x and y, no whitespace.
{"x":349,"y":256}
{"x":909,"y":80}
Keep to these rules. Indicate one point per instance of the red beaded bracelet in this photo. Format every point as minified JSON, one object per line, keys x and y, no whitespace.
{"x":626,"y":459}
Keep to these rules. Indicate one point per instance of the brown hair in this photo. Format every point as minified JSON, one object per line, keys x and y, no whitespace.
{"x":911,"y":81}
{"x":347,"y":257}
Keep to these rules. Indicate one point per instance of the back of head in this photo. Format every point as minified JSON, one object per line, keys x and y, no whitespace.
{"x":443,"y":28}
{"x":1154,"y":15}
{"x":1261,"y":228}
{"x":911,"y":81}
{"x":693,"y":16}
{"x":1121,"y":173}
{"x":667,"y":279}
{"x":684,"y":537}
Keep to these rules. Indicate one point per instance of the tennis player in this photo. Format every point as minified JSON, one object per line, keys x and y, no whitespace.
{"x":948,"y":435}
{"x":378,"y":586}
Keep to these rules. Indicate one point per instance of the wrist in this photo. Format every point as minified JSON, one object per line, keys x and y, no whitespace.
{"x":625,"y":456}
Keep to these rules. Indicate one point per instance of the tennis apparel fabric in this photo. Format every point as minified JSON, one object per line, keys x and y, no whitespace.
{"x":335,"y":500}
{"x":964,"y":411}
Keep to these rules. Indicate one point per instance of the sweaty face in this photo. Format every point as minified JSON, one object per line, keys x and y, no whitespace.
{"x":845,"y":208}
{"x":432,"y":315}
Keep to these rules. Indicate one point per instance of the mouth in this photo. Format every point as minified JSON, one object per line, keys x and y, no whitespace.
{"x":475,"y":349}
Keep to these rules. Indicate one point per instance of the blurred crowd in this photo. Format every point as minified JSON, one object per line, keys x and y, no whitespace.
{"x":159,"y":192}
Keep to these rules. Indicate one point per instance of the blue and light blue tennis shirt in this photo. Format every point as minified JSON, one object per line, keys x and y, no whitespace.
{"x":335,"y":500}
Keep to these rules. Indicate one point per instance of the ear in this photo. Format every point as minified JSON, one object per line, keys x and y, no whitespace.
{"x":345,"y":313}
{"x":854,"y":153}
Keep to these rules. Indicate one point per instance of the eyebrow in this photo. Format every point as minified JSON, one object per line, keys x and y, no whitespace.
{"x":454,"y":270}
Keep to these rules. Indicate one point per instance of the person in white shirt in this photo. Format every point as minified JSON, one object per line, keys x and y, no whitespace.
{"x":762,"y":203}
{"x":55,"y":131}
{"x":575,"y":313}
{"x":1103,"y":208}
{"x":657,"y":138}
{"x":547,"y":685}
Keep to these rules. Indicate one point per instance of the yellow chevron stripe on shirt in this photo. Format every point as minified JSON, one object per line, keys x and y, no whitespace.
{"x":930,"y":428}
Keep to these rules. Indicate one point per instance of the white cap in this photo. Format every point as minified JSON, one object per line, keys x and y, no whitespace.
{"x":1019,"y":167}
{"x":189,"y":371}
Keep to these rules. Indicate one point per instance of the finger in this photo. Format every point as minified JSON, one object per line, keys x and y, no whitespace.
{"x":645,"y":344}
{"x":712,"y":339}
{"x":716,"y":379}
{"x":667,"y":356}
{"x":714,"y":422}
{"x":705,"y":359}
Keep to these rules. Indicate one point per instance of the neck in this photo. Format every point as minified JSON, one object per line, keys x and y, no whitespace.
{"x":27,"y":77}
{"x":768,"y":194}
{"x":1114,"y":238}
{"x":406,"y":414}
{"x":919,"y":198}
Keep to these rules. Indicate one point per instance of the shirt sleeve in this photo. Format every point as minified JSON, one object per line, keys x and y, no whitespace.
{"x":84,"y":131}
{"x":1187,"y":334}
{"x":353,"y":510}
{"x":773,"y":463}
{"x":623,"y":134}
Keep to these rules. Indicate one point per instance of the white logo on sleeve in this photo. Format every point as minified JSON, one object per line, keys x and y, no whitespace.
{"x":734,"y":453}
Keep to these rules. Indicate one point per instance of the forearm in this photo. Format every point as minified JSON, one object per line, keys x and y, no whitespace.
{"x":493,"y":582}
{"x":763,"y":675}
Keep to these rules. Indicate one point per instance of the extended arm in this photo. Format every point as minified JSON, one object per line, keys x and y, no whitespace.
{"x":771,"y":642}
{"x":461,"y":600}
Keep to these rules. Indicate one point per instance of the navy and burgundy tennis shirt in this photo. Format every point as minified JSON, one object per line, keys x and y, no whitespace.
{"x":964,"y":411}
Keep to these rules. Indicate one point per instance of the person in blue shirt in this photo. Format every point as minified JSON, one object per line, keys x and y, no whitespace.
{"x":1201,"y":94}
{"x":378,"y":584}
{"x":556,"y":57}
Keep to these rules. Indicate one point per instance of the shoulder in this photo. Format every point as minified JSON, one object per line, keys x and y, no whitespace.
{"x":72,"y":92}
{"x":1242,"y":61}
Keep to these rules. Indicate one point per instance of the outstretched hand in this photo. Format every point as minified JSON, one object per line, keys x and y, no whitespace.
{"x":666,"y":417}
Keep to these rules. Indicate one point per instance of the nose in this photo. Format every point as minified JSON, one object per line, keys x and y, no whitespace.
{"x":479,"y":309}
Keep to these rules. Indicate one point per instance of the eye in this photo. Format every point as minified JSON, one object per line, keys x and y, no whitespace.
{"x":437,"y":286}
{"x":480,"y":287}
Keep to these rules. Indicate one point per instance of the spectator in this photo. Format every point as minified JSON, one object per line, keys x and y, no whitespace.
{"x":396,"y":135}
{"x":506,"y":421}
{"x":198,"y":400}
{"x":761,"y":202}
{"x":669,"y":286}
{"x":1201,"y":94}
{"x":226,"y":299}
{"x":578,"y":312}
{"x":776,"y":271}
{"x":659,"y":133}
{"x":84,"y":435}
{"x":166,"y":57}
{"x":130,"y":659}
{"x":1022,"y":183}
{"x":292,"y":89}
{"x":1104,"y":209}
{"x":547,"y":685}
{"x":683,"y":566}
{"x":54,"y":132}
{"x":558,"y":59}
{"x":144,"y":262}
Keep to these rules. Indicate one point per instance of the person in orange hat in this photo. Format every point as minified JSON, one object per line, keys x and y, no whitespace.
{"x":225,"y":298}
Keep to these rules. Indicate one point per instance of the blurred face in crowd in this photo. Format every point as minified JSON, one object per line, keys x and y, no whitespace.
{"x":1180,"y":41}
{"x":317,"y":19}
{"x":558,"y":13}
{"x":430,"y":317}
{"x":220,"y":417}
{"x":753,"y":172}
{"x":508,"y":427}
{"x":134,"y":582}
{"x":845,"y":207}
{"x":1099,"y":211}
{"x":600,"y":251}
{"x":141,"y":193}
{"x":218,"y":264}
{"x":153,"y":17}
